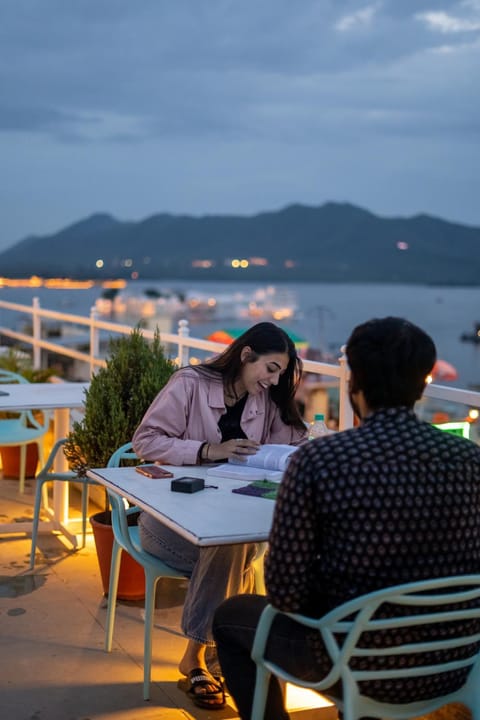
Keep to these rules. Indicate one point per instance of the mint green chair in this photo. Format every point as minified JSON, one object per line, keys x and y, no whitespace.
{"x":46,"y":475}
{"x":22,"y":428}
{"x":450,"y":599}
{"x":127,"y":537}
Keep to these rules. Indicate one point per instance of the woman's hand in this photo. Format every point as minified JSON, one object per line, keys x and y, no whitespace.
{"x":236,"y":449}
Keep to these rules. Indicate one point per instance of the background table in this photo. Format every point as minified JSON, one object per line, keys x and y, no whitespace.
{"x":208,"y":517}
{"x":60,"y":397}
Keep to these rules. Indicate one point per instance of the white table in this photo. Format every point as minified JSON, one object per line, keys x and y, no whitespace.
{"x":60,"y":397}
{"x":208,"y":517}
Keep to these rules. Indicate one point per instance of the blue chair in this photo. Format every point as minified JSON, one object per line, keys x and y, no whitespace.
{"x":450,"y":599}
{"x":126,"y":537}
{"x":22,"y":428}
{"x":46,"y":475}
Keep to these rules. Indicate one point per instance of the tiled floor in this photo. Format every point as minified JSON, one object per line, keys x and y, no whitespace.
{"x":52,"y":662}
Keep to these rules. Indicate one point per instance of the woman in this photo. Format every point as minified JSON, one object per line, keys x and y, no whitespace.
{"x":224,"y":408}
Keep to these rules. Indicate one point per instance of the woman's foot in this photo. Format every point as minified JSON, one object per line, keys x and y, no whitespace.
{"x":201,"y":685}
{"x":205,"y":690}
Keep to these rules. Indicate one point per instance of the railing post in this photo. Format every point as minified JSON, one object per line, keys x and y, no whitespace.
{"x":94,"y":339}
{"x":183,"y":350}
{"x":345,"y":412}
{"x":36,"y":334}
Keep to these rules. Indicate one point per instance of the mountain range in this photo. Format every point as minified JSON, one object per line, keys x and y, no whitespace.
{"x":334,"y":242}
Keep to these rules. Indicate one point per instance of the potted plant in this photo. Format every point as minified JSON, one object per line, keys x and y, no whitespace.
{"x":16,"y":361}
{"x":118,"y":397}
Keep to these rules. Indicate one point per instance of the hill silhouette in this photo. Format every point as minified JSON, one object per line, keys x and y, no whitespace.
{"x":333,"y":242}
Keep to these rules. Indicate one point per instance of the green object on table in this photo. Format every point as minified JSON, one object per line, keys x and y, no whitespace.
{"x":259,"y":488}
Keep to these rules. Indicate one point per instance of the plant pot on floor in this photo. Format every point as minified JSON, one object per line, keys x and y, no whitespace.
{"x":11,"y":461}
{"x":131,"y":581}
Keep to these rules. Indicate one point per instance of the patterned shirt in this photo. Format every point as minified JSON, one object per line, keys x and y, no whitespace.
{"x":393,"y":501}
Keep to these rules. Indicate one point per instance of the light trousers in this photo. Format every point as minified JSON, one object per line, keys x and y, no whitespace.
{"x":216,"y":573}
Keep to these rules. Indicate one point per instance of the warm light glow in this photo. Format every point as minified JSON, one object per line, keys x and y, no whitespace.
{"x":235,"y":263}
{"x":99,"y":263}
{"x":202,"y":263}
{"x":243,"y":263}
{"x":429,"y":379}
{"x":402,"y":245}
{"x":473,"y":414}
{"x":114,"y":284}
{"x":67,"y":284}
{"x":298,"y":698}
{"x":258,"y":261}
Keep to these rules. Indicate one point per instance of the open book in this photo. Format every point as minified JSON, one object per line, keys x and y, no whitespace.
{"x":268,"y":463}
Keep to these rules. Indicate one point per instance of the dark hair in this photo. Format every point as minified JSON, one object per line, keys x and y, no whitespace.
{"x":390,"y":359}
{"x":264,"y":338}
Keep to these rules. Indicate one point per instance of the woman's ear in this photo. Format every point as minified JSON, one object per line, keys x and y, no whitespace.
{"x":246,"y":354}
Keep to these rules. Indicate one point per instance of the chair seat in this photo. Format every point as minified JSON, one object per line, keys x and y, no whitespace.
{"x":13,"y":432}
{"x":22,"y":429}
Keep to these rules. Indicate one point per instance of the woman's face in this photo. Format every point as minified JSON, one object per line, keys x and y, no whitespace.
{"x":261,"y":373}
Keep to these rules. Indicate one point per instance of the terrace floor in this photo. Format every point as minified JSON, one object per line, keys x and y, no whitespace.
{"x":52,"y":622}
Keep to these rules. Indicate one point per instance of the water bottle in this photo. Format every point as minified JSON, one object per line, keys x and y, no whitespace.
{"x":317,"y":428}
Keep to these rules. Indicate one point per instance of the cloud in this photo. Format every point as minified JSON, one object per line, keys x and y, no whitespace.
{"x":465,"y":19}
{"x":359,"y":18}
{"x":220,"y":105}
{"x":445,"y":23}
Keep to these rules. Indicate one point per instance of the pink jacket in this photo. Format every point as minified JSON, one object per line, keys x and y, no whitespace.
{"x":186,"y":412}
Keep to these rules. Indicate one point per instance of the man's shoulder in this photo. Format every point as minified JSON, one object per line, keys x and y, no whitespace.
{"x":452,"y":441}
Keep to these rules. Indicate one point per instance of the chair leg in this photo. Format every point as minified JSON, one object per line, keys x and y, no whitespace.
{"x":84,"y":512}
{"x":23,"y":467}
{"x":262,"y":682}
{"x":36,"y":517}
{"x":112,"y":594}
{"x":150,"y":586}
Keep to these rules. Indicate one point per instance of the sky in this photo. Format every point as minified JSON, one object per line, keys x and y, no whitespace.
{"x":136,"y":107}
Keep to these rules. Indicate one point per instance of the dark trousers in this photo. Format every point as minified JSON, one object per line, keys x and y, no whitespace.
{"x":234,"y":627}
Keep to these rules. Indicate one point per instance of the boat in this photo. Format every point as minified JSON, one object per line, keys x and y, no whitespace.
{"x":473,"y":337}
{"x":151,"y":305}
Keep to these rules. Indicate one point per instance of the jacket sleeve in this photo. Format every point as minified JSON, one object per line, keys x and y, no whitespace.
{"x":284,"y":434}
{"x":161,"y":433}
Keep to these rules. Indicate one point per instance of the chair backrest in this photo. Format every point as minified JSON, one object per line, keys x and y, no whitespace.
{"x":119,"y":510}
{"x":6,"y":376}
{"x":368,"y":627}
{"x":23,"y":417}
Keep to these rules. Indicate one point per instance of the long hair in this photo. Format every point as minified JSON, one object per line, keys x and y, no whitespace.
{"x":263,"y":338}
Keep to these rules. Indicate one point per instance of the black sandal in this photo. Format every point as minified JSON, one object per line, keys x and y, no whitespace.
{"x":200,"y":678}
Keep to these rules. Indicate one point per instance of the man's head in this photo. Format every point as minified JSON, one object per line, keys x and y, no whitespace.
{"x":389,"y":359}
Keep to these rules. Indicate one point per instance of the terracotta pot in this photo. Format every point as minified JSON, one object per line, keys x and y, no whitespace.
{"x":11,"y":461}
{"x":131,"y":581}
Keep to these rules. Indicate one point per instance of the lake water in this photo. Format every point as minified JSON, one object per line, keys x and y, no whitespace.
{"x":327,"y":312}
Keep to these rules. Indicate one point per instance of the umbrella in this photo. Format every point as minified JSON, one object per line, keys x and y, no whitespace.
{"x":228,"y":335}
{"x":443,"y":370}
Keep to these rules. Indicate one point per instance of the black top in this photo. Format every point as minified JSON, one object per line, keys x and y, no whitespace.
{"x":229,"y":424}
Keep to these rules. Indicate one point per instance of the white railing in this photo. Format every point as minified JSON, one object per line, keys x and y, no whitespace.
{"x":101,"y":330}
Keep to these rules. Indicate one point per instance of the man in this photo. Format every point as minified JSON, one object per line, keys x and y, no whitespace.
{"x":392,"y":501}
